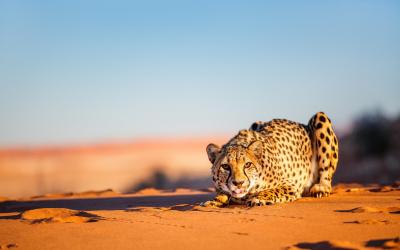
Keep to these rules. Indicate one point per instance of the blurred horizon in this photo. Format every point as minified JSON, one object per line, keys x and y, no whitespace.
{"x":94,"y":71}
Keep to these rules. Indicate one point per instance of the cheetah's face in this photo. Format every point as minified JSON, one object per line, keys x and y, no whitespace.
{"x":235,"y":168}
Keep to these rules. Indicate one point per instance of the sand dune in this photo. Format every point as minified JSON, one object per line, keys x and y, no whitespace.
{"x":101,"y":193}
{"x":173,"y":219}
{"x":120,"y":166}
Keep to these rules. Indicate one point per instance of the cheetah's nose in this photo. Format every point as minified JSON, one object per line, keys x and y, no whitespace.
{"x":237,"y":183}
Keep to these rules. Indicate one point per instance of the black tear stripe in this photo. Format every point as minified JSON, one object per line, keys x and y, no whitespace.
{"x":246,"y":175}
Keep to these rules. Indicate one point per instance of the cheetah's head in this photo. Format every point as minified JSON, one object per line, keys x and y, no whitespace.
{"x":235,"y":167}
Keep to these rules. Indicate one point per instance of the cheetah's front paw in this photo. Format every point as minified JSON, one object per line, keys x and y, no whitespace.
{"x":319,"y":191}
{"x":212,"y":203}
{"x":258,"y":202}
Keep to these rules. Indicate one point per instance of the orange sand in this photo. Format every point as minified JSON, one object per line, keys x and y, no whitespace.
{"x":352,"y":218}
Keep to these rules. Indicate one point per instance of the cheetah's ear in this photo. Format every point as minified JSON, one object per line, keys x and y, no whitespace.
{"x":256,"y":148}
{"x":212,"y":151}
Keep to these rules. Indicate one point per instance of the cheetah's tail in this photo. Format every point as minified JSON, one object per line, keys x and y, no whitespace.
{"x":325,"y":145}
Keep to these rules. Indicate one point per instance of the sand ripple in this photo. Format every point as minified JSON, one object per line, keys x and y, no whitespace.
{"x":63,"y":215}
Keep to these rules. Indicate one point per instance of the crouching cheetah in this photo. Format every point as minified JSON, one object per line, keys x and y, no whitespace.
{"x":274,"y":162}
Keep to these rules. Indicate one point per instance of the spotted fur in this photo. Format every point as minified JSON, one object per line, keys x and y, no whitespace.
{"x":274,"y":162}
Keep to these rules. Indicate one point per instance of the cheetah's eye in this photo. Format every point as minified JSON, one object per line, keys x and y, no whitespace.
{"x":225,"y":167}
{"x":247,"y":165}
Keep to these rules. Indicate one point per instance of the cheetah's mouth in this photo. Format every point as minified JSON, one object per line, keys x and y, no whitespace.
{"x":239,"y":192}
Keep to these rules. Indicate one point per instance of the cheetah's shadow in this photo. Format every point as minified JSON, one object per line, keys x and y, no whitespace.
{"x":106,"y":203}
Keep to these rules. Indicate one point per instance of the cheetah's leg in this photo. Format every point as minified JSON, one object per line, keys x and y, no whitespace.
{"x":220,"y":200}
{"x":326,"y":150}
{"x":281,"y":194}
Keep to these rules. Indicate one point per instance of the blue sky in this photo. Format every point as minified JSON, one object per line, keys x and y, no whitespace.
{"x":91,"y":71}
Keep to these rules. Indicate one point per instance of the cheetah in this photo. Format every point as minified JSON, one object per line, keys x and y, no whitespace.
{"x":275,"y":162}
